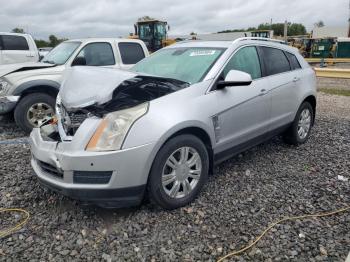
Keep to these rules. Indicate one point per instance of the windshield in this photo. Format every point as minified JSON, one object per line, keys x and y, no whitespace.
{"x":145,"y":31}
{"x":61,"y":53}
{"x":188,"y":64}
{"x":160,"y":32}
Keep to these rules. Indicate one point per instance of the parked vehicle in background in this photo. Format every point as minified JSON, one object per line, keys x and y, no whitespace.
{"x":30,"y":89}
{"x":161,"y":127}
{"x":43,"y":51}
{"x":17,"y":48}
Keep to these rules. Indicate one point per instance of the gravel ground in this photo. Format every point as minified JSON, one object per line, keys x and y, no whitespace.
{"x":246,"y":194}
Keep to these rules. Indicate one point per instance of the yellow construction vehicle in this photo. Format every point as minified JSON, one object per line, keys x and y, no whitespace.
{"x":262,"y":33}
{"x":301,"y":42}
{"x":153,"y":32}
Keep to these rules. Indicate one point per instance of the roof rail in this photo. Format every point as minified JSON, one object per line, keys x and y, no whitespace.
{"x":262,"y":39}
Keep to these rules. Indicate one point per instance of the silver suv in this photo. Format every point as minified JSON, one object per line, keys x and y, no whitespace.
{"x":159,"y":129}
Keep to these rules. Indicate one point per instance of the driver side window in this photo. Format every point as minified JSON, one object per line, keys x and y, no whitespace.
{"x":97,"y":54}
{"x":245,"y":59}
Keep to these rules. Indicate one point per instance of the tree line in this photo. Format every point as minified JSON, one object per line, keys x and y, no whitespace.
{"x":52,"y":41}
{"x":278,"y":28}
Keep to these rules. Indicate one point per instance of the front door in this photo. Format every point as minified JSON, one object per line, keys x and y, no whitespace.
{"x":243,"y":112}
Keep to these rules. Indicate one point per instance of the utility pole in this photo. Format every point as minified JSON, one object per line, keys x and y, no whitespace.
{"x":271,"y":23}
{"x":285,"y":30}
{"x":349,"y":21}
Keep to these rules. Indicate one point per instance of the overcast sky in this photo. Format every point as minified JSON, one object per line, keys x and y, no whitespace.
{"x":86,"y":18}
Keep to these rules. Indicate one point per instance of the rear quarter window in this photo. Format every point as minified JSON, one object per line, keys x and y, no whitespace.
{"x":131,"y":53}
{"x":293,"y":60}
{"x":12,"y":42}
{"x":275,"y":61}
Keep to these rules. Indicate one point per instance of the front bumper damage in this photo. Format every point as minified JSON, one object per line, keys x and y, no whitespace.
{"x":107,"y":179}
{"x":8,"y":103}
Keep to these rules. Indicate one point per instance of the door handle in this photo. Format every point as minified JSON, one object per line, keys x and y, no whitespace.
{"x":296,"y":79}
{"x":263,"y":92}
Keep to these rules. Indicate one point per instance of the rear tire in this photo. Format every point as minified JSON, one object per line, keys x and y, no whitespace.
{"x":179,"y":172}
{"x":299,"y":132}
{"x":43,"y":104}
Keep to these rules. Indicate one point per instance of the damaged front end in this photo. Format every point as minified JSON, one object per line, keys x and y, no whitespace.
{"x":129,"y":101}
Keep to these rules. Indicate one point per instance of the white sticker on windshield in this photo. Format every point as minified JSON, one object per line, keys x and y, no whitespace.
{"x":202,"y":52}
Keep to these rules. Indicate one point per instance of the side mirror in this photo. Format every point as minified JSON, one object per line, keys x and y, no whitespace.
{"x":235,"y":78}
{"x":79,"y":61}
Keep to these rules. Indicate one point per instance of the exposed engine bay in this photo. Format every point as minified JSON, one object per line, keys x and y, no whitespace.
{"x":129,"y":93}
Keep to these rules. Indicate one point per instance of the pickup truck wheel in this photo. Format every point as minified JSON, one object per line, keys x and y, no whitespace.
{"x":33,"y":110}
{"x":179,"y":172}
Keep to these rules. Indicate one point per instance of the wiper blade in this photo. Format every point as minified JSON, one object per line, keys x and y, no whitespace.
{"x":49,"y":62}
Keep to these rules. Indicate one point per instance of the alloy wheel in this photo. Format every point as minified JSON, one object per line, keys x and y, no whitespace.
{"x":304,"y":123}
{"x":39,"y":113}
{"x":181,"y":172}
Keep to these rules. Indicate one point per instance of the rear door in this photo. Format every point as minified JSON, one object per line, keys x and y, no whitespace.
{"x":242,"y":111}
{"x":15,"y":49}
{"x":281,"y":85}
{"x":130,"y":54}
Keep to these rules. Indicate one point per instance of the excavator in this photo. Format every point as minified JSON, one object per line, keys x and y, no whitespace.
{"x":153,"y":32}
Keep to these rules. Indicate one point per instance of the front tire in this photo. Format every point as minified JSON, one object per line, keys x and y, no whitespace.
{"x":33,"y":110}
{"x":179,"y":172}
{"x":299,"y":132}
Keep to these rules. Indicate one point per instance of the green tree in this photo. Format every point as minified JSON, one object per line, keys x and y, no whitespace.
{"x":296,"y":29}
{"x":278,"y":28}
{"x":18,"y":30}
{"x":319,"y":24}
{"x":232,"y":30}
{"x":41,"y":43}
{"x":251,"y":29}
{"x":53,"y":40}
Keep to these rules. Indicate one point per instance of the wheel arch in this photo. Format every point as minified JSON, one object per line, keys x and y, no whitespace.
{"x":198,"y":132}
{"x":38,"y":86}
{"x":313,"y":102}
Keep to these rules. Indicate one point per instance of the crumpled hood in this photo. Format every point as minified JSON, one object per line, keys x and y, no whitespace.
{"x":10,"y":68}
{"x":83,"y":85}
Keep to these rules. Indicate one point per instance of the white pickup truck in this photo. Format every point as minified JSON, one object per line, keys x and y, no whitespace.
{"x":17,"y":48}
{"x":30,"y":89}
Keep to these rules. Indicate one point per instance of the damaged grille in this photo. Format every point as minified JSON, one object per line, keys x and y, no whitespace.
{"x":70,"y":121}
{"x":77,"y":118}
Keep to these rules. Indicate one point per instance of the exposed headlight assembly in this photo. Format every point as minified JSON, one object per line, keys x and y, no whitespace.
{"x":4,"y":86}
{"x":112,"y":130}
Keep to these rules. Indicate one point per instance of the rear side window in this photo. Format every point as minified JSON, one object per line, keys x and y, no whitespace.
{"x":246,"y":60}
{"x":98,"y":54}
{"x":294,"y":63}
{"x":13,"y":42}
{"x":275,"y":61}
{"x":131,"y":53}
